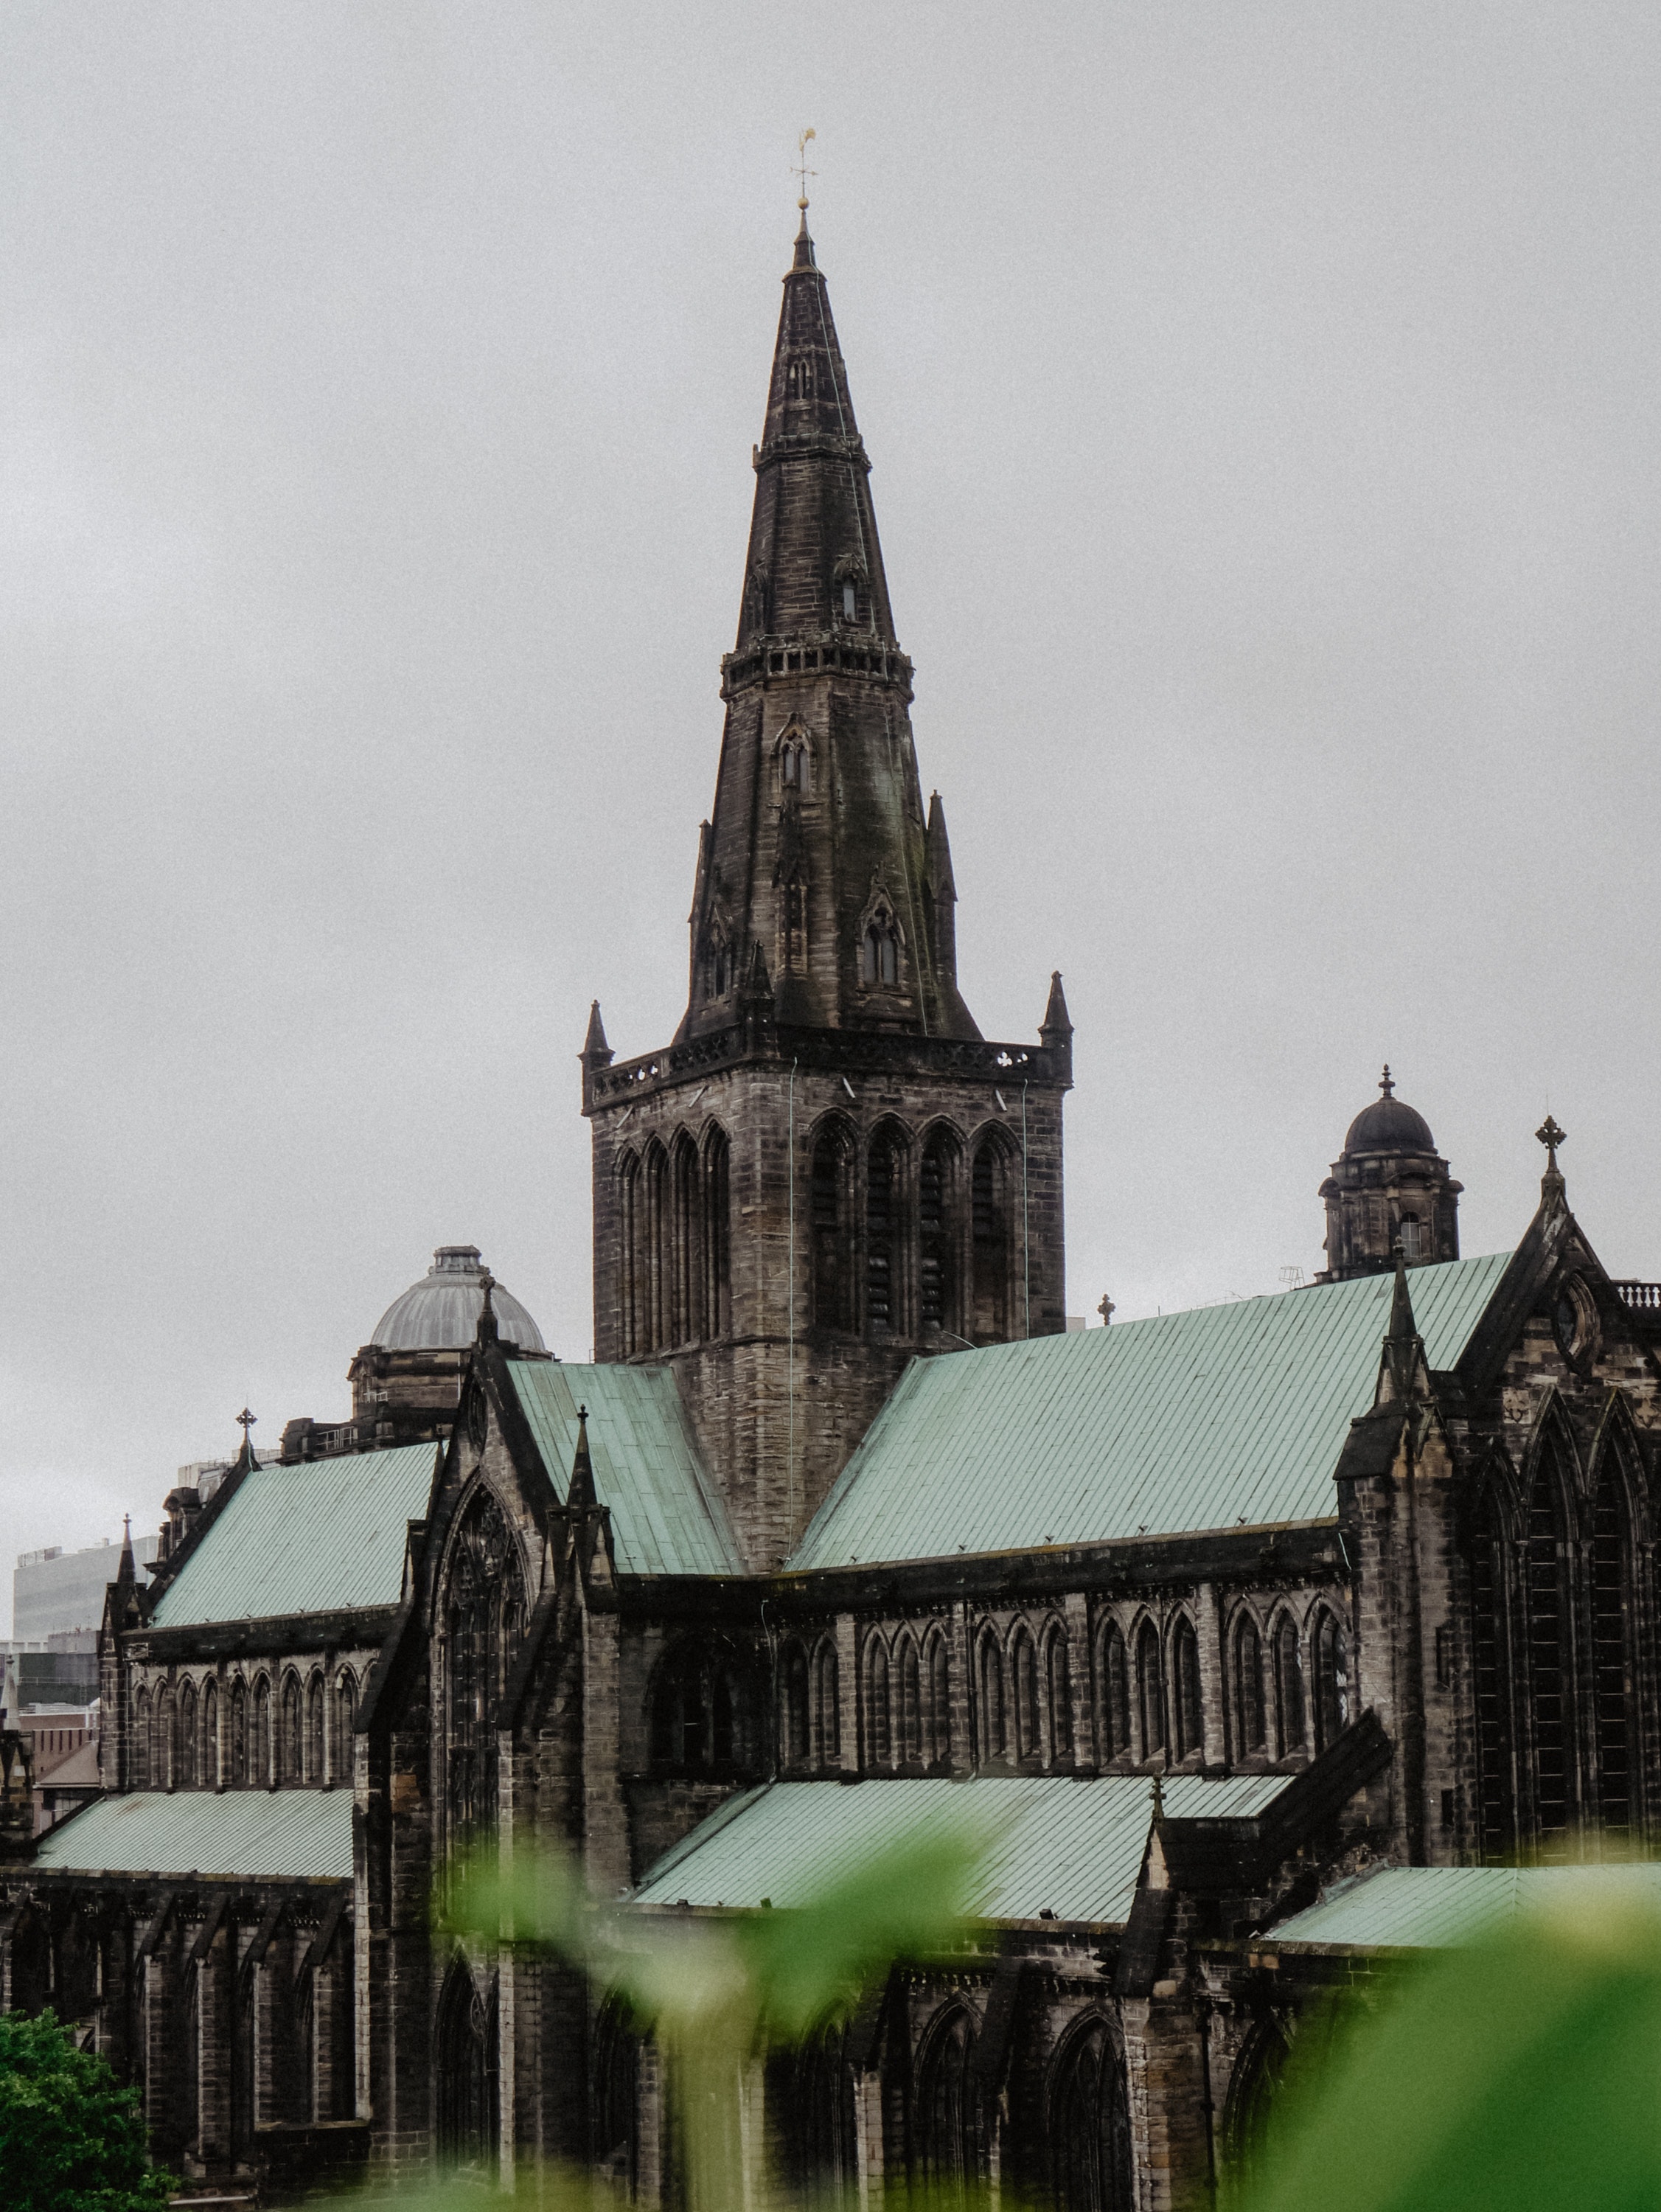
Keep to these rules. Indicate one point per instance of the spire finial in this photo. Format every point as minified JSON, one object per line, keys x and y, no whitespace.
{"x":1159,"y":1797}
{"x":1106,"y":1310}
{"x":485,"y":1331}
{"x":245,"y":1421}
{"x":581,"y":1494}
{"x":800,"y":170}
{"x":1387,"y":1082}
{"x":1551,"y":1183}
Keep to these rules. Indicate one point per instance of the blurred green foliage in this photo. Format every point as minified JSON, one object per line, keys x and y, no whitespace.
{"x":711,"y":1990}
{"x":71,"y":2140}
{"x":1521,"y":2075}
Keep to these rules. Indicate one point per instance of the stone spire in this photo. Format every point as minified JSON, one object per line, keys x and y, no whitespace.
{"x":817,"y":849}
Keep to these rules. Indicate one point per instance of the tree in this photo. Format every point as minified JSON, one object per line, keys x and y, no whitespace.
{"x":71,"y":2139}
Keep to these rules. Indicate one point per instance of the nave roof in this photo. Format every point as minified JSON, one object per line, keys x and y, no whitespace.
{"x":325,"y":1536}
{"x":1442,"y":1908}
{"x":1052,"y":1843}
{"x":1212,"y":1418}
{"x":238,"y":1834}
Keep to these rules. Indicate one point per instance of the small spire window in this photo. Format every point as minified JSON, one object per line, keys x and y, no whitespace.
{"x":850,"y":600}
{"x":796,"y":768}
{"x":879,"y":951}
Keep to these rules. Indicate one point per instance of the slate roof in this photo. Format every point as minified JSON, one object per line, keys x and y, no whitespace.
{"x":259,"y":1834}
{"x":1050,"y":1840}
{"x":667,"y":1517}
{"x":327,"y":1534}
{"x":1205,"y":1419}
{"x":1441,"y":1908}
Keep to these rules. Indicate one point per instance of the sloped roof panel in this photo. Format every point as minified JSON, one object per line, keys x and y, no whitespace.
{"x":1442,"y":1908}
{"x":1049,"y":1841}
{"x":327,"y":1534}
{"x":667,"y":1517}
{"x":256,"y":1834}
{"x":1219,"y":1417}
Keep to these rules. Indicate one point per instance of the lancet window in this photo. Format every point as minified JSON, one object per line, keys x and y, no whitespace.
{"x":883,"y":1248}
{"x":1250,"y":1734}
{"x":1150,"y":1691}
{"x":879,"y":952}
{"x":674,"y":1264}
{"x":830,"y":1206}
{"x":1186,"y":1703}
{"x":1089,"y":2134}
{"x":992,"y":1240}
{"x":1331,"y":1657}
{"x":1612,"y":1612}
{"x":1059,"y":1684}
{"x":1113,"y":1683}
{"x":702,"y":1710}
{"x":483,"y":1614}
{"x":1289,"y":1731}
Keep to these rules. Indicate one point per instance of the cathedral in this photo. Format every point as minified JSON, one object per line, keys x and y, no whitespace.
{"x":1271,"y":1639}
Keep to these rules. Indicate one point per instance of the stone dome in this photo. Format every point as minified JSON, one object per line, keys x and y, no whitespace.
{"x":1389,"y":1125}
{"x":440,"y":1313}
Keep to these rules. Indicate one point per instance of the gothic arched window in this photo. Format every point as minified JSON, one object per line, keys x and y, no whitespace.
{"x":469,"y":2107}
{"x":940,"y":1700}
{"x":1186,"y":1703}
{"x":937,"y":1269}
{"x":883,"y":1237}
{"x":1024,"y":1672}
{"x":1150,"y":1691}
{"x":1089,"y":2133}
{"x":830,"y":1194}
{"x":292,"y":1766}
{"x":701,"y":1710}
{"x":484,"y":1612}
{"x":793,"y":1705}
{"x":879,"y":952}
{"x":659,"y":1248}
{"x":1331,"y":1659}
{"x":346,"y":1718}
{"x":1290,"y":1734}
{"x":1058,"y":1683}
{"x":1611,"y":1646}
{"x":211,"y":1776}
{"x":259,"y":1740}
{"x":1550,"y":1678}
{"x":188,"y":1766}
{"x":827,"y":1707}
{"x":717,"y":1240}
{"x":1490,"y":1651}
{"x":877,"y":1704}
{"x":239,"y":1733}
{"x":1250,"y":1735}
{"x":684,"y":1301}
{"x":1113,"y":1683}
{"x":140,"y":1760}
{"x":908,"y":1704}
{"x":993,"y":1739}
{"x":796,"y":767}
{"x":631,"y":1252}
{"x":850,"y":600}
{"x":164,"y":1754}
{"x":314,"y":1709}
{"x":991,"y":1240}
{"x":948,"y":2113}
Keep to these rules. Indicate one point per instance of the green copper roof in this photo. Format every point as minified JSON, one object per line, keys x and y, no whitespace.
{"x":258,"y":1833}
{"x":1441,"y":1908}
{"x":1224,"y":1415}
{"x":667,"y":1518}
{"x":1074,"y":1847}
{"x":309,"y":1538}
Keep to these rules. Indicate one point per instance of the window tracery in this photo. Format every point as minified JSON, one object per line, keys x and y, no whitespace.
{"x":483,"y":1613}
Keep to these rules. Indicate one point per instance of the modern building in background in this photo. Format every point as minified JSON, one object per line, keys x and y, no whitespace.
{"x":55,"y":1593}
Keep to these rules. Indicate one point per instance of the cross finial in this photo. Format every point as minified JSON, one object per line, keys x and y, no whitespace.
{"x":799,"y":166}
{"x":1159,"y":1797}
{"x":1551,"y":1136}
{"x":1387,"y":1082}
{"x":245,"y":1421}
{"x":1106,"y":1310}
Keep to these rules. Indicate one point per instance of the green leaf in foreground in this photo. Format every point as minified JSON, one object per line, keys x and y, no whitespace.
{"x":1521,"y":2075}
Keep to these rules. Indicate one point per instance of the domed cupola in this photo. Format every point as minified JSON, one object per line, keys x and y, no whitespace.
{"x":440,"y":1313}
{"x":1389,"y":1186}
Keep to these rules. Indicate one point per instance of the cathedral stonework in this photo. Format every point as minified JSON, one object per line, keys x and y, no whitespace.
{"x":1223,"y":1616}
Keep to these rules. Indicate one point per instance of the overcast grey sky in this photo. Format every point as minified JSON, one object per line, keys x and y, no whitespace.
{"x":1263,"y":407}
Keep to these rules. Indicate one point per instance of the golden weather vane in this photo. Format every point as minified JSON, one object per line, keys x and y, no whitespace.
{"x":799,"y":168}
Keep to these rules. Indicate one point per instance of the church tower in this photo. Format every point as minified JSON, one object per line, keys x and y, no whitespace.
{"x":1390,"y":1190}
{"x":829,"y":1170}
